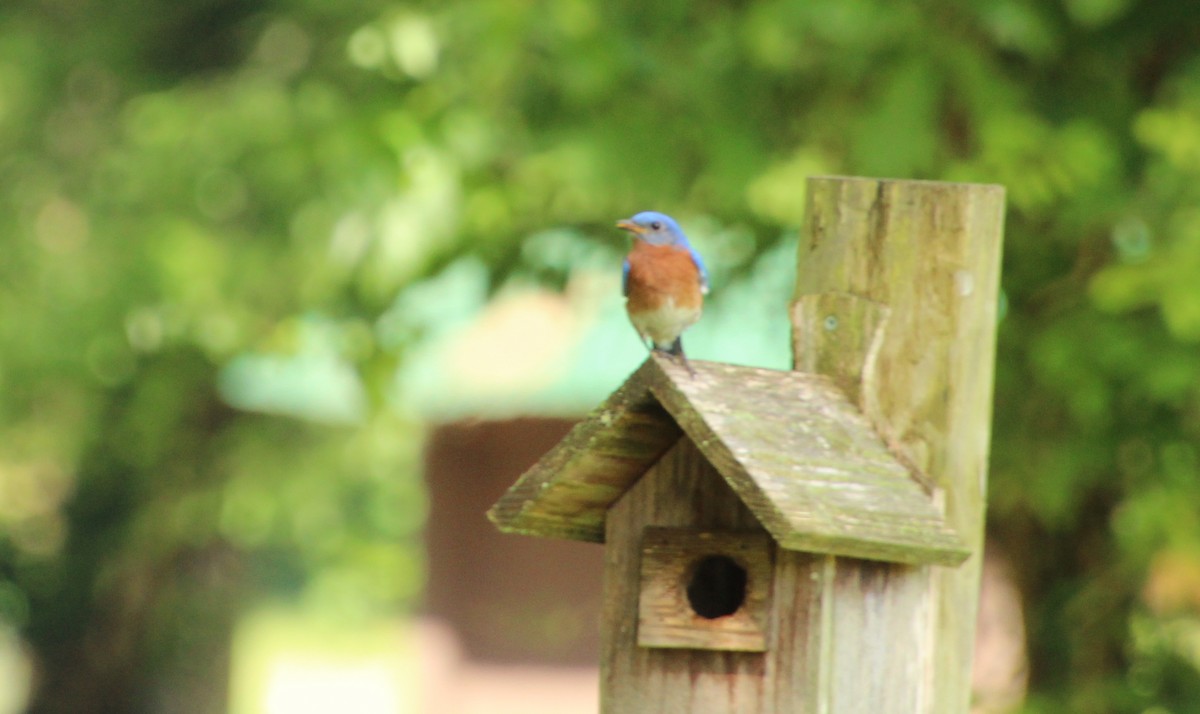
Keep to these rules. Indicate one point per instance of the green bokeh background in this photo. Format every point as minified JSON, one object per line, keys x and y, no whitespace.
{"x":239,"y":238}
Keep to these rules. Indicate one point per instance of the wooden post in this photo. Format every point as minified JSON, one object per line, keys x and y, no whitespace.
{"x":896,"y":299}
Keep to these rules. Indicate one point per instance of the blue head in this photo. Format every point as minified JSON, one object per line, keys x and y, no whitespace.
{"x":655,"y":228}
{"x":660,"y":229}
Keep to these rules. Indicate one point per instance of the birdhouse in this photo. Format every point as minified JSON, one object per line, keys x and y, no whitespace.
{"x":772,"y":540}
{"x":703,"y":485}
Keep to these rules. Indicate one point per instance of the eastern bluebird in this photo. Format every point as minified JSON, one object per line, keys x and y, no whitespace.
{"x":664,"y":281}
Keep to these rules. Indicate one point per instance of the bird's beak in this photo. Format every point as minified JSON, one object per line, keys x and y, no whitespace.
{"x":628,"y":225}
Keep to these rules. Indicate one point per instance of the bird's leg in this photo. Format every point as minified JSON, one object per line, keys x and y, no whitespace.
{"x":676,"y":350}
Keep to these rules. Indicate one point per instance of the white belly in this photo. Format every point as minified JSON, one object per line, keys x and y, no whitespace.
{"x":663,"y":325}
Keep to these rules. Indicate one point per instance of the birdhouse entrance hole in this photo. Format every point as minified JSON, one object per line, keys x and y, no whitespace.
{"x":717,"y":587}
{"x":706,"y":590}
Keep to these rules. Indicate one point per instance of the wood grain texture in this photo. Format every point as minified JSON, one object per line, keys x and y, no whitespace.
{"x":841,"y":335}
{"x":795,"y":449}
{"x":897,"y":638}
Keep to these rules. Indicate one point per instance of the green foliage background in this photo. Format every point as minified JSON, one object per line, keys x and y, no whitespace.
{"x":202,"y":197}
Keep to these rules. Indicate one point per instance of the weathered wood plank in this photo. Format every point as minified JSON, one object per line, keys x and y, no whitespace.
{"x":806,"y":461}
{"x":896,"y":638}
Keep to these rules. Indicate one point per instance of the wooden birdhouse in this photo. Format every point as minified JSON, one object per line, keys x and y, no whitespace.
{"x":796,"y":541}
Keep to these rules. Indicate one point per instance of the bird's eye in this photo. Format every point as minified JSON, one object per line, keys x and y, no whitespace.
{"x":655,"y":225}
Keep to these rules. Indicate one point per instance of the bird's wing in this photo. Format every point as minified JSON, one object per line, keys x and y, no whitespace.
{"x":700,"y":267}
{"x":625,"y":278}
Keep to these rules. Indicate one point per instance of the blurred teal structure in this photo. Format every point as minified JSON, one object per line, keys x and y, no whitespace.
{"x":251,"y":250}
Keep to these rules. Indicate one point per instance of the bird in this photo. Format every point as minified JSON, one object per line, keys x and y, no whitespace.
{"x":664,"y":281}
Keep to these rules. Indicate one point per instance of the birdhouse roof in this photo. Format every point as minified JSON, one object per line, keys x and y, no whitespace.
{"x":791,"y":445}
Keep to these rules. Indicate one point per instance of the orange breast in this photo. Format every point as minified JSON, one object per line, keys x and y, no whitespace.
{"x":657,"y":272}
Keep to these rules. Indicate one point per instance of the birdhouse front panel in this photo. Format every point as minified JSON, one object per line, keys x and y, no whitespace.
{"x":655,"y":642}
